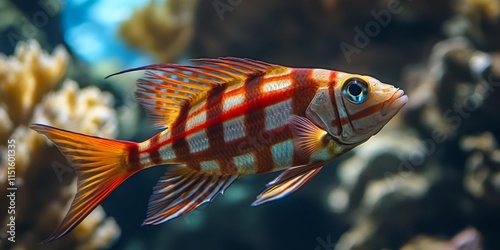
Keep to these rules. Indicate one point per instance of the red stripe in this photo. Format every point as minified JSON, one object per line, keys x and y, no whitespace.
{"x":304,"y":91}
{"x":331,"y":90}
{"x":133,"y":158}
{"x":253,"y":110}
{"x":180,"y":145}
{"x":253,"y":103}
{"x":215,"y":133}
{"x":154,"y":155}
{"x":366,"y":112}
{"x":255,"y":124}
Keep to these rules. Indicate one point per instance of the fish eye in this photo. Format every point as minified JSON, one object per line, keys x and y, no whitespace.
{"x":355,"y":90}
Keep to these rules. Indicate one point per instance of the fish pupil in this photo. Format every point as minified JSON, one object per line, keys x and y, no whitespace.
{"x":355,"y":89}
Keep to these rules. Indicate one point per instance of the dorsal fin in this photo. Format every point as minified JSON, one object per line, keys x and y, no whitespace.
{"x":173,"y":86}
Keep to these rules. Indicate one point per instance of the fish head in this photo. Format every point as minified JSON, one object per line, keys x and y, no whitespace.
{"x":352,"y":108}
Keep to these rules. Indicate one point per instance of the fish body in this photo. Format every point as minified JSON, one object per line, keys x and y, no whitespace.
{"x":239,"y":129}
{"x":225,"y":118}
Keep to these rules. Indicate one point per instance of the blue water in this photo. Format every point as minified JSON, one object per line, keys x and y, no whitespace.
{"x":90,"y":30}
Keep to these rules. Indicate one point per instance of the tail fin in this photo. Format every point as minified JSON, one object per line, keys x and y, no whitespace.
{"x":101,"y":166}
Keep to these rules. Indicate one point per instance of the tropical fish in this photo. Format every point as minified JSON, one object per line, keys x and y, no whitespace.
{"x":224,"y":118}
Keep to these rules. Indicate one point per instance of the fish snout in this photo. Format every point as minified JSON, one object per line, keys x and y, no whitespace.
{"x":394,"y":103}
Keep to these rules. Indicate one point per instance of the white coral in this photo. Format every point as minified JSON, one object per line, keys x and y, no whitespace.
{"x":26,"y":97}
{"x":81,"y":110}
{"x":27,"y":76}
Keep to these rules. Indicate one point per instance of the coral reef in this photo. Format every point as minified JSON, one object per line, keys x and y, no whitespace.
{"x":25,"y":78}
{"x":468,"y":239}
{"x":163,"y":28}
{"x":429,"y":180}
{"x":482,"y":168}
{"x":478,"y":21}
{"x":44,"y":180}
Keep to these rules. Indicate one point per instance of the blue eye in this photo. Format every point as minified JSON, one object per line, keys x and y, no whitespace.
{"x":355,"y":90}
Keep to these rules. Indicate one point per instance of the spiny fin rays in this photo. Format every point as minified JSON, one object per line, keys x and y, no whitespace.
{"x":306,"y":135}
{"x":100,"y":164}
{"x":287,"y":182}
{"x":166,"y":93}
{"x":174,"y":196}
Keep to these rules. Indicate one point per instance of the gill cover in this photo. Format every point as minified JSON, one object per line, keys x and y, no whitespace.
{"x":322,"y":112}
{"x":332,"y":115}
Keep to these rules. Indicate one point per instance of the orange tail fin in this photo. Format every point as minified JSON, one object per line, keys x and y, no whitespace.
{"x":101,"y":166}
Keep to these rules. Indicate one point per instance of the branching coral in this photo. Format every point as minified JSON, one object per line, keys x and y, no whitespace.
{"x":482,"y":176}
{"x":44,"y":180}
{"x":24,"y":79}
{"x":165,"y":29}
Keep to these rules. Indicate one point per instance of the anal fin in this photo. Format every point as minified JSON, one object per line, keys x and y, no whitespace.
{"x":288,"y":182}
{"x":181,"y":190}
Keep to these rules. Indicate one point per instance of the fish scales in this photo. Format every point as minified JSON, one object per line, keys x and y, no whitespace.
{"x":259,"y":96}
{"x":224,"y":118}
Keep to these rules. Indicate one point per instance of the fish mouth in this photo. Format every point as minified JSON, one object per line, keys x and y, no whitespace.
{"x":395,"y":103}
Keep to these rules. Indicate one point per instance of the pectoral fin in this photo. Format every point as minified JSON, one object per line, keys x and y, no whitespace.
{"x":288,"y":182}
{"x":307,"y":137}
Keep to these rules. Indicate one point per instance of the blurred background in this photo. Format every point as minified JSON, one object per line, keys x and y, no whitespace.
{"x":429,"y":180}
